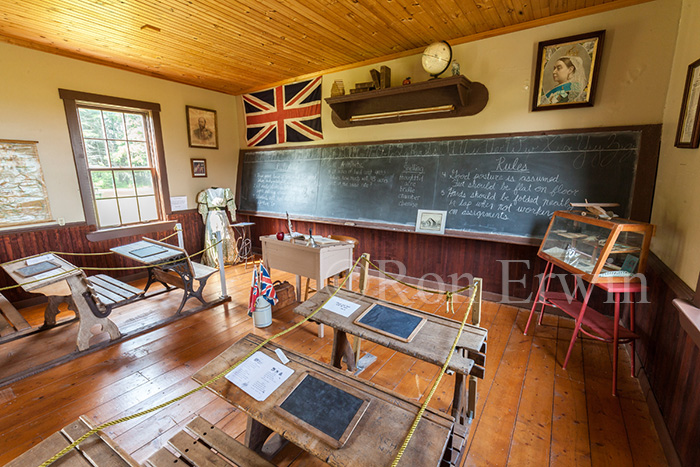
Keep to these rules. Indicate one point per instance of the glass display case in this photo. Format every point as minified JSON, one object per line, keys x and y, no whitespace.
{"x":613,"y":250}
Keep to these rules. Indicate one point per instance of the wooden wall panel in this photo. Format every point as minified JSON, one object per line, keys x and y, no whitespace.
{"x":671,"y":360}
{"x":72,"y":238}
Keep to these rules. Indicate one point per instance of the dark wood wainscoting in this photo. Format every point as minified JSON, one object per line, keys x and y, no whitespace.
{"x":671,"y":360}
{"x":72,"y":239}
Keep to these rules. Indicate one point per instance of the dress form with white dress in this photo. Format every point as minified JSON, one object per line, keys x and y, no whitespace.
{"x":212,"y":204}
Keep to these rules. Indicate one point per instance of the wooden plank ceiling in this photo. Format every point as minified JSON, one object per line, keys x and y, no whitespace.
{"x":239,"y":46}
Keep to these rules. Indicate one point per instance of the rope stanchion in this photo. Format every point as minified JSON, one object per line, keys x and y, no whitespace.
{"x":75,"y":443}
{"x":412,"y":430}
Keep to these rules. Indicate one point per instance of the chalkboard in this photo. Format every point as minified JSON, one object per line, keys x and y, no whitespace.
{"x":325,"y":408}
{"x":504,"y":185}
{"x":391,"y":321}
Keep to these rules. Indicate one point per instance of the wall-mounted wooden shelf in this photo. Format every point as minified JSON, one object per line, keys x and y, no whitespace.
{"x":455,"y":96}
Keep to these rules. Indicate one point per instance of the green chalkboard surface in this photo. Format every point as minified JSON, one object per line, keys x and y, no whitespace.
{"x":500,"y":185}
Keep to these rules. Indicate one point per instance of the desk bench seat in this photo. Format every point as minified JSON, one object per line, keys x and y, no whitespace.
{"x":183,"y":274}
{"x":105,"y":293}
{"x":111,"y":291}
{"x":198,"y":446}
{"x":97,"y":450}
{"x":11,"y":321}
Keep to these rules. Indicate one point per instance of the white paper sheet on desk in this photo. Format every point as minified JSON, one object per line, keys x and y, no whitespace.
{"x":259,"y":375}
{"x":341,"y":306}
{"x":39,"y":259}
{"x":47,"y":274}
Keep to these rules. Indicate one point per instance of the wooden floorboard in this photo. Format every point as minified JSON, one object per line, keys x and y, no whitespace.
{"x":530,"y":411}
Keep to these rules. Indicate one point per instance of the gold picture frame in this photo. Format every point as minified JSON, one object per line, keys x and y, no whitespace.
{"x":566,"y":71}
{"x":202,"y":128}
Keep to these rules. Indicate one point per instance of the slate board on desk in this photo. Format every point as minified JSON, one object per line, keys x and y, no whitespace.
{"x":500,"y":185}
{"x":325,"y":408}
{"x":392,"y":322}
{"x":38,"y":268}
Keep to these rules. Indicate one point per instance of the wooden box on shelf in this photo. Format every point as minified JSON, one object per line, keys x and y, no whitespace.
{"x":600,"y":250}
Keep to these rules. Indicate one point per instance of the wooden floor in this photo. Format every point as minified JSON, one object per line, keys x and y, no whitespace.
{"x":529,"y":412}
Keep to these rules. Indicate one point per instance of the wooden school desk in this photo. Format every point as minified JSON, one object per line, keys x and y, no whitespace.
{"x":171,"y":266}
{"x":431,"y":344}
{"x":65,"y":284}
{"x":318,"y":263}
{"x":375,"y":439}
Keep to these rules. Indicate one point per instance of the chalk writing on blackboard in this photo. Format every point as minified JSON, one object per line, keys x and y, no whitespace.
{"x":506,"y":185}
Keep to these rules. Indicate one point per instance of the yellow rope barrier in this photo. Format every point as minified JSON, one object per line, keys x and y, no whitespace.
{"x":95,"y":268}
{"x":75,"y":443}
{"x":450,"y":308}
{"x":437,"y":381}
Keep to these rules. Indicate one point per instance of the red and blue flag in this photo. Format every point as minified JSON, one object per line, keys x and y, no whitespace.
{"x":291,"y":112}
{"x":267,"y":290}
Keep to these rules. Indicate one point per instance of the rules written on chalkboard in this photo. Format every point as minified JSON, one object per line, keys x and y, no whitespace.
{"x":508,"y":185}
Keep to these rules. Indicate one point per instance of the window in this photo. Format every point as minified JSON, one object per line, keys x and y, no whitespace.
{"x":117,"y":145}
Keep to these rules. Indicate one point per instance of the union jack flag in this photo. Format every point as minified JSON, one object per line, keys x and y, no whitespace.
{"x":291,"y":112}
{"x":267,"y":290}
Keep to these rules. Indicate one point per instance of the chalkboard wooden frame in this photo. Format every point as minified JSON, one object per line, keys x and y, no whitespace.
{"x":640,"y":201}
{"x":377,"y":308}
{"x":326,"y":438}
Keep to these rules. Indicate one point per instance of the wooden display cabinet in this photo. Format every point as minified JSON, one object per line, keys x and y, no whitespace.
{"x":609,"y":254}
{"x":601,"y":251}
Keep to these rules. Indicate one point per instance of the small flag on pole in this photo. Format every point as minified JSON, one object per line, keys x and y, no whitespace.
{"x":254,"y":291}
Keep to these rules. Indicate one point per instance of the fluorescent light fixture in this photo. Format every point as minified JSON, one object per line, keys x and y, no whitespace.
{"x":404,"y":113}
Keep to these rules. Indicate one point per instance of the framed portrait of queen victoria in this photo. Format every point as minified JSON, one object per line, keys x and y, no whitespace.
{"x":566,"y":71}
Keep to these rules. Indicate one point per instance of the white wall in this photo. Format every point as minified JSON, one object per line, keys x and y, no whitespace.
{"x":632,"y":84}
{"x":677,"y":197}
{"x":30,"y":109}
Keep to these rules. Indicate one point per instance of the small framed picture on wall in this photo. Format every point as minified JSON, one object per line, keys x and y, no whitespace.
{"x":199,"y":167}
{"x":688,"y":133}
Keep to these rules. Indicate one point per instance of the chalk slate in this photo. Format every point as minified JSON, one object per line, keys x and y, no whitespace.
{"x":323,"y":406}
{"x":507,"y":185}
{"x":147,"y":251}
{"x":390,"y":320}
{"x":38,"y":268}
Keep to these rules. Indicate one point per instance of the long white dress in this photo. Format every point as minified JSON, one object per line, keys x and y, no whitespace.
{"x":212,"y":204}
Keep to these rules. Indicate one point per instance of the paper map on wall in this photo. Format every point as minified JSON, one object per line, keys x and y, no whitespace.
{"x":23,"y":197}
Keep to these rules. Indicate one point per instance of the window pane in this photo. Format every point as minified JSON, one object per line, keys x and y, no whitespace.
{"x":139,"y":156}
{"x":125,"y":183}
{"x":91,"y":123}
{"x":103,"y":184}
{"x":96,"y":151}
{"x":107,"y":212}
{"x":114,"y":124}
{"x":135,"y":127}
{"x":149,"y":211}
{"x":144,"y":182}
{"x":118,"y":154}
{"x":129,"y":210}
